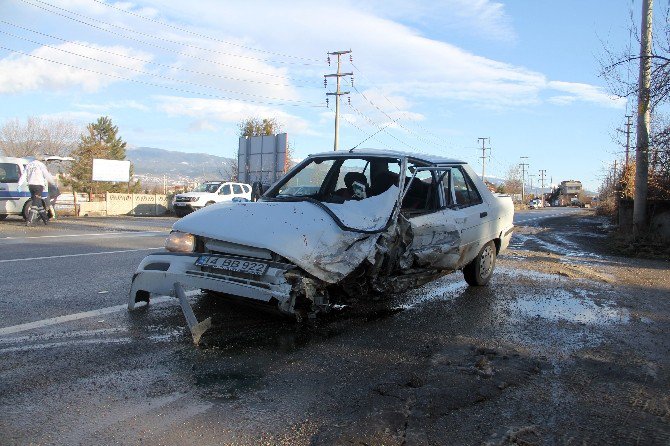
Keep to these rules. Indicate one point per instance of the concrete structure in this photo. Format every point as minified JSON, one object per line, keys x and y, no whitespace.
{"x":571,"y":187}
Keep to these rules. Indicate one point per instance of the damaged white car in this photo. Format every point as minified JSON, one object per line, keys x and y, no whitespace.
{"x":340,"y":225}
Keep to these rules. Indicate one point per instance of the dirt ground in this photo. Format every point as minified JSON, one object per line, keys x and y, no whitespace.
{"x":568,"y":345}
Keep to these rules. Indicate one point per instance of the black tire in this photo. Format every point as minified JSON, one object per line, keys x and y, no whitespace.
{"x":209,"y":202}
{"x":26,"y":210}
{"x":3,"y":216}
{"x":479,"y":271}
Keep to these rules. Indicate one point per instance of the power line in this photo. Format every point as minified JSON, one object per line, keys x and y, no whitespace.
{"x":168,"y":78}
{"x":182,"y":90}
{"x":221,"y":76}
{"x":387,"y":115}
{"x":163,"y":39}
{"x":383,"y":128}
{"x":179,"y":53}
{"x":396,"y":107}
{"x":202,"y":35}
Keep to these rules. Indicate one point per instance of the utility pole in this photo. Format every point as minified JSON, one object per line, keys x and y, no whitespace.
{"x":531,"y":183}
{"x":628,"y":124}
{"x":643,"y":119}
{"x":542,"y":174}
{"x":337,"y":92}
{"x":523,"y":177}
{"x":483,"y":157}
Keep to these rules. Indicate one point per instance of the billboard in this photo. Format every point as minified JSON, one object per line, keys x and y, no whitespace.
{"x":111,"y":170}
{"x":262,"y":158}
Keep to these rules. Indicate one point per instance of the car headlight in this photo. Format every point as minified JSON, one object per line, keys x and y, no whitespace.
{"x":180,"y":242}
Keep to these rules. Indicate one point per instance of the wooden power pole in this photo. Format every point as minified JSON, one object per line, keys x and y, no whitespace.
{"x":643,"y":119}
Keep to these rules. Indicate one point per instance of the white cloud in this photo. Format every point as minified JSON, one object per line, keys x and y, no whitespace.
{"x":202,"y":125}
{"x":77,"y":116}
{"x":22,"y":72}
{"x":112,"y":105}
{"x":221,"y":110}
{"x":585,"y":93}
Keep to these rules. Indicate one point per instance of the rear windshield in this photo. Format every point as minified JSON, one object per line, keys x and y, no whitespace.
{"x":9,"y":173}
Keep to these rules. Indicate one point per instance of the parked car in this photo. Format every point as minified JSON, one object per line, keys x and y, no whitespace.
{"x":15,"y":197}
{"x":208,"y":193}
{"x":339,"y":225}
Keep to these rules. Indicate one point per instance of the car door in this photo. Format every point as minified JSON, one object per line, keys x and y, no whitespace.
{"x":471,"y":211}
{"x":237,"y":191}
{"x":12,"y":196}
{"x":435,"y":234}
{"x":225,"y":193}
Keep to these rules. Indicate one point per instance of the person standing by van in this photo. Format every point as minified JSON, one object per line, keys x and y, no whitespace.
{"x":38,"y":177}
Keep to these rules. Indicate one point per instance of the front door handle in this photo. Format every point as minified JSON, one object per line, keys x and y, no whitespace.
{"x":483,"y":214}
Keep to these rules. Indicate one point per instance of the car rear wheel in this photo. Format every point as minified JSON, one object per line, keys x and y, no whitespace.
{"x":26,"y":209}
{"x":479,"y":271}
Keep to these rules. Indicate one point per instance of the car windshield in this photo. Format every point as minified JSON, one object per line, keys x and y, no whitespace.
{"x":339,"y":179}
{"x":207,"y":187}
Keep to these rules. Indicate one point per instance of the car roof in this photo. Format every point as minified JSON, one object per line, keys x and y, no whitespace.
{"x":11,"y":159}
{"x":430,"y":159}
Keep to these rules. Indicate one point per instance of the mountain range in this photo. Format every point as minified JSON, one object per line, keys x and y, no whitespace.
{"x":152,"y":164}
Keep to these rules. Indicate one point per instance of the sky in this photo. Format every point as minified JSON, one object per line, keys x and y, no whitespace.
{"x":428,"y":76}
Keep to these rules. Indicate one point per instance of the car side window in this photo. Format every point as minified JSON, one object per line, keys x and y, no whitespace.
{"x":225,"y":190}
{"x":9,"y":173}
{"x":246,"y":188}
{"x":237,"y":189}
{"x":465,"y":193}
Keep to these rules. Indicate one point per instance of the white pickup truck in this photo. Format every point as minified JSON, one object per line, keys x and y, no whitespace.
{"x":208,"y":193}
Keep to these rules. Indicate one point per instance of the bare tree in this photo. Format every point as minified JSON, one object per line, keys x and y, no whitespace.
{"x":512,"y":183}
{"x":38,"y":136}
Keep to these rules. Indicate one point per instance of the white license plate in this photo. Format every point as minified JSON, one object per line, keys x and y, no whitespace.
{"x":233,"y":264}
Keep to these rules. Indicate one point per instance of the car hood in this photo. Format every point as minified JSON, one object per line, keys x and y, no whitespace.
{"x":300,"y":231}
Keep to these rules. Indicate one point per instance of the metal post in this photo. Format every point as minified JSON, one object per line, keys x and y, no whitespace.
{"x":338,"y":93}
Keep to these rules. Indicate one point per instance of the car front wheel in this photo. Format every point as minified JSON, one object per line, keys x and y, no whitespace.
{"x":479,"y":271}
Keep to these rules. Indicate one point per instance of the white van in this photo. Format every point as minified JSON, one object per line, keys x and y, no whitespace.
{"x":209,"y":193}
{"x":15,"y":199}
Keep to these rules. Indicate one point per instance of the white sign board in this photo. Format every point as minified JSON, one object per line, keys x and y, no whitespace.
{"x":111,"y":170}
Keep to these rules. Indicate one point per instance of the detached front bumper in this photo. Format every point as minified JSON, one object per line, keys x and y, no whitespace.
{"x":158,"y":273}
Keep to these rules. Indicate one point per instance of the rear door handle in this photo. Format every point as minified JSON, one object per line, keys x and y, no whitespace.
{"x":483,"y":214}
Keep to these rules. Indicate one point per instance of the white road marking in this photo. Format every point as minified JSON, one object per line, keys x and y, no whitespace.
{"x":96,"y":234}
{"x":77,"y":255}
{"x":83,"y":315}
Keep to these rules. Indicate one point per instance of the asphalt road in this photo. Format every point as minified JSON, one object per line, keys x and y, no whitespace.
{"x":530,"y":358}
